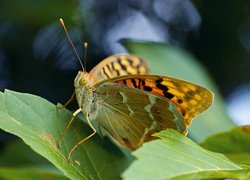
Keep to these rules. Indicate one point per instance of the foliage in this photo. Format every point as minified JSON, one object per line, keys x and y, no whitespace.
{"x":39,"y":123}
{"x":177,"y":157}
{"x":235,"y":144}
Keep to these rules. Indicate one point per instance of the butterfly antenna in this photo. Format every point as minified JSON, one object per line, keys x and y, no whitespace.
{"x":85,"y":53}
{"x":66,"y":31}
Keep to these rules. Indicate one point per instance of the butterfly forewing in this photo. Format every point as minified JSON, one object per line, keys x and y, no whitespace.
{"x":189,"y":98}
{"x":118,"y":65}
{"x":131,"y":116}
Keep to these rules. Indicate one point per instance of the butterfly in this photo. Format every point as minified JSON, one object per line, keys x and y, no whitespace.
{"x":131,"y":105}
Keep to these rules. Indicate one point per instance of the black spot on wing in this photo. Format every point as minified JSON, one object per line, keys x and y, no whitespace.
{"x":168,"y":95}
{"x":134,"y":83}
{"x":104,"y":72}
{"x":158,"y":81}
{"x":130,"y":62}
{"x":147,"y":88}
{"x":122,"y":66}
{"x":143,"y":82}
{"x":113,"y":67}
{"x":162,"y":87}
{"x":124,"y":81}
{"x":180,"y":101}
{"x":108,"y":66}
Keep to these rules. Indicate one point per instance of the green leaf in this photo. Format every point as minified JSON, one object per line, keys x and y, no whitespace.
{"x":53,"y":10}
{"x":39,"y":124}
{"x":226,"y":174}
{"x":18,"y":155}
{"x":167,"y":60}
{"x":18,"y":160}
{"x":175,"y":155}
{"x":235,"y":144}
{"x":27,"y":174}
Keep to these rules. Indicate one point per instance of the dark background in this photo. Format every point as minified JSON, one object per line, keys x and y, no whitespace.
{"x":35,"y":56}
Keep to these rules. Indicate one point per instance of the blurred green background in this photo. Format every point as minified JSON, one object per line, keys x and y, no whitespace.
{"x":35,"y":56}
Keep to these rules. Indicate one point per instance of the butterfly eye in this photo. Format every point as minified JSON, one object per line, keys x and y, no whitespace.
{"x":82,"y":81}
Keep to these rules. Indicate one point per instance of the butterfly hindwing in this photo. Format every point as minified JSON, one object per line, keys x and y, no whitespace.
{"x":189,"y":98}
{"x":118,"y":65}
{"x":131,"y":115}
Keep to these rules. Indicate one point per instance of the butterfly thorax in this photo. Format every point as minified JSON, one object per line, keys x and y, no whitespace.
{"x":84,"y":93}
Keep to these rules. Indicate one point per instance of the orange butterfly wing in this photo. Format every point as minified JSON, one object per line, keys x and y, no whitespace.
{"x":189,"y":98}
{"x":118,"y":65}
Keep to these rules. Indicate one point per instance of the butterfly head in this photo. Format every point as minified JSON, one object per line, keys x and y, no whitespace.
{"x":81,"y":80}
{"x":83,"y":90}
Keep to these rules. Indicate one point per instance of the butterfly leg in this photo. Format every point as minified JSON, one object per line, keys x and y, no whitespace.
{"x":82,"y":141}
{"x":67,"y":127}
{"x":67,"y":103}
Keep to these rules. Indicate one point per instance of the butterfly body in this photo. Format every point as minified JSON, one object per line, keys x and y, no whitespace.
{"x":131,"y":105}
{"x":84,"y":91}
